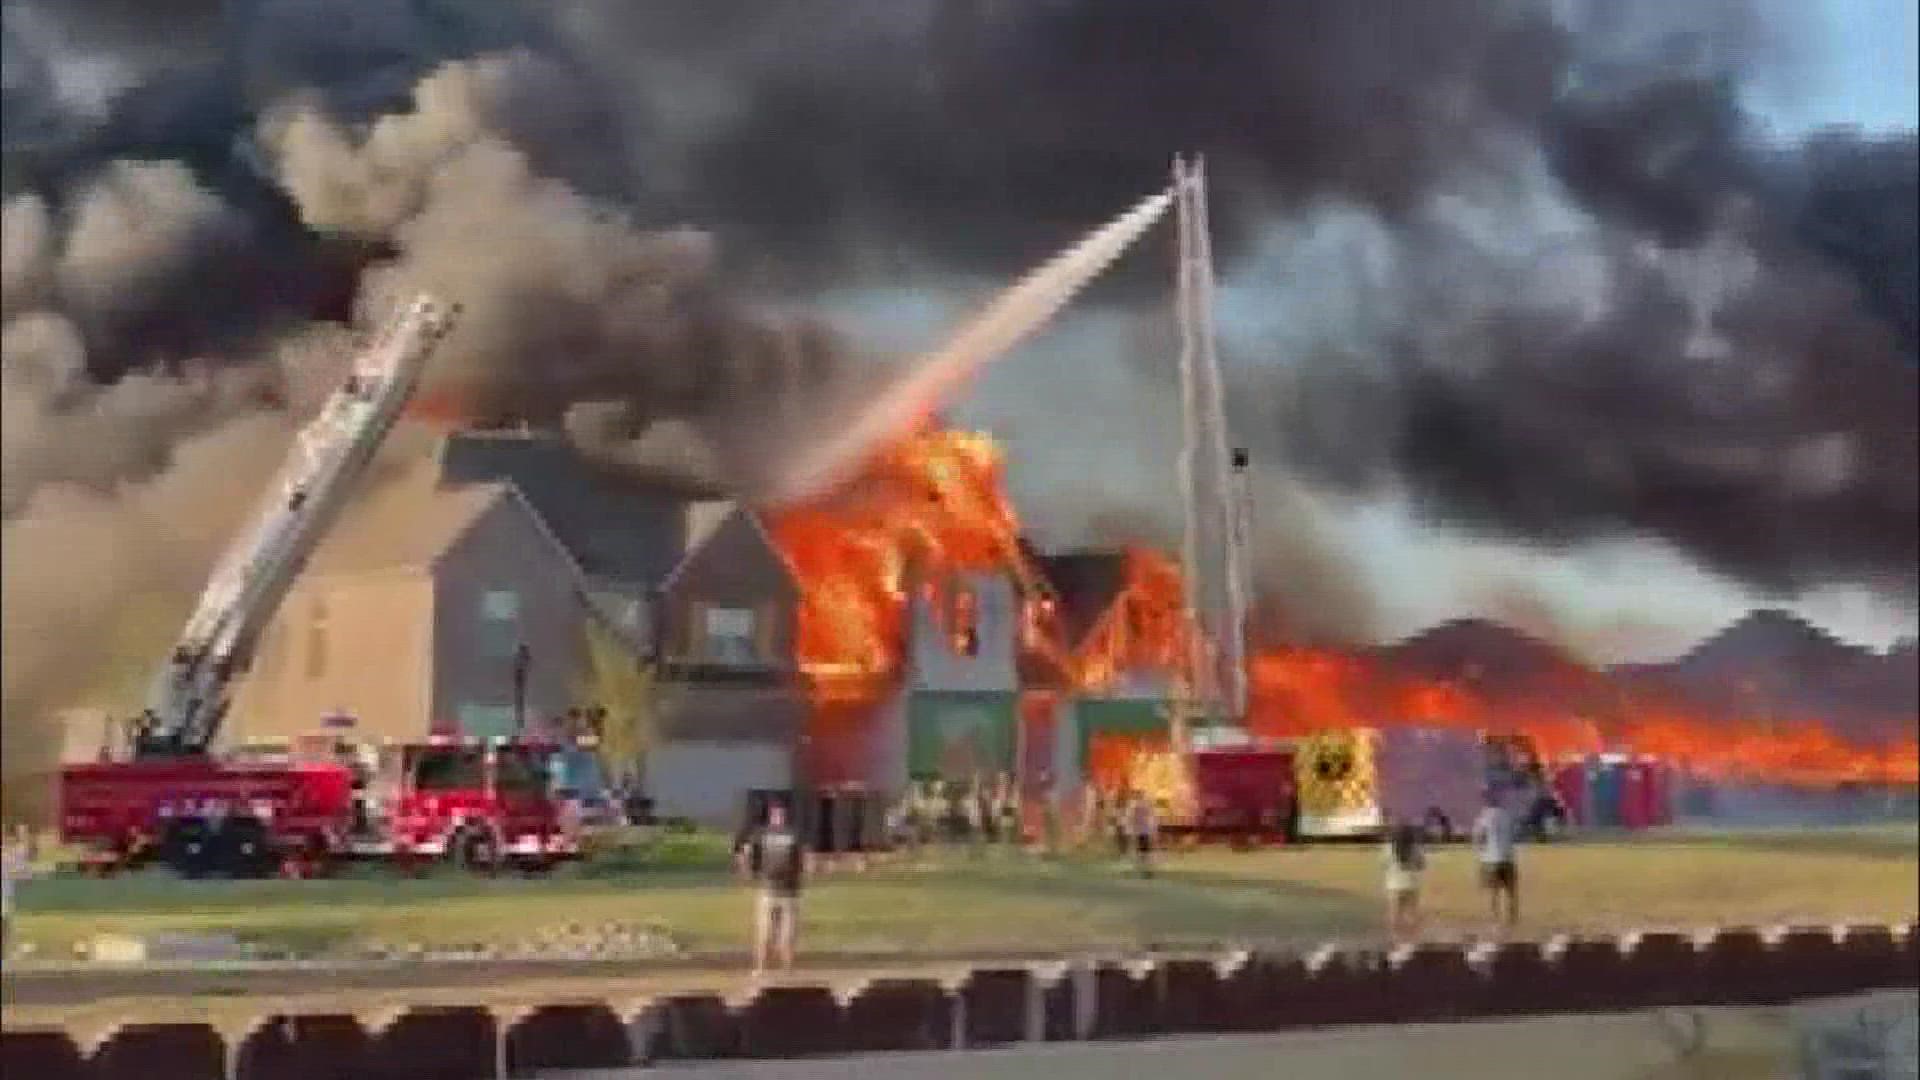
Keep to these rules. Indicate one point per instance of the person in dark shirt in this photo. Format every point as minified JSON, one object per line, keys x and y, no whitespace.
{"x":775,"y":859}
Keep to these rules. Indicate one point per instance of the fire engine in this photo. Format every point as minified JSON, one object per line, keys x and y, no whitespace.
{"x":1356,"y":782}
{"x":1240,"y":792}
{"x":164,"y":795}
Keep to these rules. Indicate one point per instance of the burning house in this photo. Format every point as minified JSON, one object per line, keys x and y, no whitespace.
{"x":456,"y":598}
{"x":918,"y":666}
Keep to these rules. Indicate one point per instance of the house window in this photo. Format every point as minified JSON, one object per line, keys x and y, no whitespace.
{"x":317,"y":640}
{"x":486,"y":720}
{"x":727,"y":635}
{"x":499,"y":624}
{"x":965,"y":624}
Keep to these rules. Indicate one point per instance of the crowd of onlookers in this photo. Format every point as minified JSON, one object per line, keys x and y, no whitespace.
{"x":978,"y":815}
{"x":990,"y":812}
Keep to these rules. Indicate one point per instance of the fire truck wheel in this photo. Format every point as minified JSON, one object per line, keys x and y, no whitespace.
{"x":187,"y":848}
{"x":473,"y":849}
{"x":242,"y":849}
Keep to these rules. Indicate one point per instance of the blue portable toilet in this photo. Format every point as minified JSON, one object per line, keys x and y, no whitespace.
{"x":1605,"y":789}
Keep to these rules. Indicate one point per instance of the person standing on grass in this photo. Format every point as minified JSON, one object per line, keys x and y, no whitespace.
{"x":1050,"y":817}
{"x":1493,"y":843}
{"x":1406,"y":859}
{"x":16,"y":860}
{"x":1093,"y":817}
{"x":977,"y":817}
{"x":955,"y":801}
{"x":1007,"y":808}
{"x":1142,"y":827}
{"x":774,"y":857}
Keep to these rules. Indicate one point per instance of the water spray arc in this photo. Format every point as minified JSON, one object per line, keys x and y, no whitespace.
{"x":1014,"y":315}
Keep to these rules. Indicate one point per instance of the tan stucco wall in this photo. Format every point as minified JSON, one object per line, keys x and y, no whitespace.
{"x":375,"y":662}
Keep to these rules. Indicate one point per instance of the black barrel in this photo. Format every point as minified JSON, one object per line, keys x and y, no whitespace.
{"x":827,"y":828}
{"x":855,"y":831}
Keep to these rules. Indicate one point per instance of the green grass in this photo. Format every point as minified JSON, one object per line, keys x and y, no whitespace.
{"x":1005,"y":902}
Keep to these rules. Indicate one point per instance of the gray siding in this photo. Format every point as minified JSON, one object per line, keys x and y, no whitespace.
{"x":708,"y":782}
{"x":505,"y":552}
{"x":712,"y":711}
{"x":736,"y":568}
{"x":934,"y":659}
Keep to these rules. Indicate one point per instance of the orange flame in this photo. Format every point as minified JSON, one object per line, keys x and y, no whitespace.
{"x":930,"y":504}
{"x":1146,"y":629}
{"x":443,"y":409}
{"x":935,"y":503}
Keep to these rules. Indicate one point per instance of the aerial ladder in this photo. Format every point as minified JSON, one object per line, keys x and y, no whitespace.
{"x":190,"y":695}
{"x":1213,"y":485}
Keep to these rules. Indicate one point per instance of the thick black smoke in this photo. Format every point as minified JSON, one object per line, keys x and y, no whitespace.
{"x":1603,"y":303}
{"x":1724,"y":351}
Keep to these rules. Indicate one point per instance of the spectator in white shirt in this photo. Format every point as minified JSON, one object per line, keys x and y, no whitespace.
{"x":15,"y":864}
{"x":1405,"y":861}
{"x":1493,"y":843}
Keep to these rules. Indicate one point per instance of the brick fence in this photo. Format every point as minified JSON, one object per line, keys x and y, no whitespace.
{"x":1246,"y":993}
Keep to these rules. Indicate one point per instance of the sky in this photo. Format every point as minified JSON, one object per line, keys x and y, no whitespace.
{"x":1869,"y":77}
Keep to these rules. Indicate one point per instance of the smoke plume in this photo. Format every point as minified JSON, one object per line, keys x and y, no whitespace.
{"x":1527,"y":269}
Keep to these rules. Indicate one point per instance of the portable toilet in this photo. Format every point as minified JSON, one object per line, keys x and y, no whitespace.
{"x":1659,"y":793}
{"x":1636,"y":794}
{"x":1570,"y":786}
{"x":1605,"y":784}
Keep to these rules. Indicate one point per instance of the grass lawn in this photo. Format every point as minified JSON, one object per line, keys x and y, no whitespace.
{"x":1010,"y":903}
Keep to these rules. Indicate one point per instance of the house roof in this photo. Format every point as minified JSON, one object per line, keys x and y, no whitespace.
{"x":706,"y":522}
{"x":1085,"y":583}
{"x":405,"y":521}
{"x":618,"y":529}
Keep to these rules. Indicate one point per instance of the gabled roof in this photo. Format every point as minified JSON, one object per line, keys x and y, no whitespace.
{"x":709,"y":520}
{"x":408,"y":521}
{"x":404,"y":521}
{"x":1495,"y":651}
{"x":1085,"y":585}
{"x":618,"y":529}
{"x":1765,"y":638}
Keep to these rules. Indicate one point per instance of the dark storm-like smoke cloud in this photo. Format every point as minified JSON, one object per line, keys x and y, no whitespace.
{"x":1739,"y":378}
{"x":183,"y":200}
{"x":975,"y":135}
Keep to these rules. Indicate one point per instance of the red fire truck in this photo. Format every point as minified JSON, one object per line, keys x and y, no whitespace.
{"x":1238,"y":792}
{"x":165,"y":796}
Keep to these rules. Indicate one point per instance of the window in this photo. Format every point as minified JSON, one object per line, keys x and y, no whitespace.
{"x":499,"y":624}
{"x":462,"y":768}
{"x":728,"y":635}
{"x":519,"y":772}
{"x":486,"y":721}
{"x":576,"y":772}
{"x":317,"y":640}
